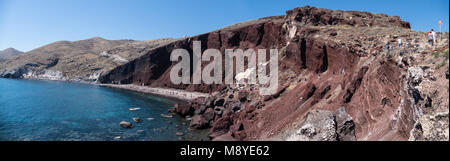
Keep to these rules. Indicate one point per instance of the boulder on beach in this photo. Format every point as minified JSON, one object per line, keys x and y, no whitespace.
{"x":184,"y":109}
{"x":199,"y":122}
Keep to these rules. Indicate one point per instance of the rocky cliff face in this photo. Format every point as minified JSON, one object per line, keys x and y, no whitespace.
{"x":154,"y":67}
{"x":317,"y":16}
{"x":329,"y":60}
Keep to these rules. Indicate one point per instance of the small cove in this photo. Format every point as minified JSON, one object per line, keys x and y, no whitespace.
{"x":59,"y":111}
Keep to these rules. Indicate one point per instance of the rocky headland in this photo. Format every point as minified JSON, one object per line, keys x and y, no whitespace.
{"x":77,"y":61}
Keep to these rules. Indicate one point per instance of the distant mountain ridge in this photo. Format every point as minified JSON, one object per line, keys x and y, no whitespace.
{"x":9,"y":53}
{"x":82,"y":60}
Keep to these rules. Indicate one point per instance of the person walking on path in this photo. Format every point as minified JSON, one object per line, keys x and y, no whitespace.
{"x":399,"y":43}
{"x":434,"y":36}
{"x":430,"y":37}
{"x":387,"y":46}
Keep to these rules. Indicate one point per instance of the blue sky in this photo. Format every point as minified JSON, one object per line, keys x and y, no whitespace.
{"x":28,"y":24}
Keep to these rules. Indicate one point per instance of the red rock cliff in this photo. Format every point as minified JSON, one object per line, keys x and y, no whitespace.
{"x":328,"y":59}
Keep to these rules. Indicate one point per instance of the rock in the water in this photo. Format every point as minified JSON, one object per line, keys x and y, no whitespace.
{"x":125,"y":124}
{"x":150,"y":119}
{"x":166,"y":116}
{"x":134,"y":109}
{"x":137,"y":119}
{"x":184,"y":109}
{"x":179,"y":133}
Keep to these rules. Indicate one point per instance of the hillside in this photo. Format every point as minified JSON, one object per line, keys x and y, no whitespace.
{"x":337,"y":80}
{"x":82,"y":60}
{"x":9,"y":53}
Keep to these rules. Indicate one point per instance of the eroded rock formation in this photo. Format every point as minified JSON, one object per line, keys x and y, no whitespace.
{"x":320,"y":125}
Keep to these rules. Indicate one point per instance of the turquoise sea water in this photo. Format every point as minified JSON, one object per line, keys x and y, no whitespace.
{"x":59,"y":111}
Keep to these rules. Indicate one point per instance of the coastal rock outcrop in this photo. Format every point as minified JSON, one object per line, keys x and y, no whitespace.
{"x":199,"y":122}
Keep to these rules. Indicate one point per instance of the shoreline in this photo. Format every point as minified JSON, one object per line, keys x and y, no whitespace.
{"x":164,"y":92}
{"x":147,"y":127}
{"x":171,"y":93}
{"x":55,"y":80}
